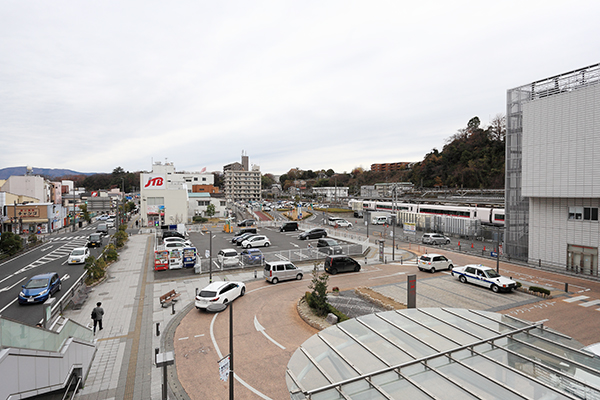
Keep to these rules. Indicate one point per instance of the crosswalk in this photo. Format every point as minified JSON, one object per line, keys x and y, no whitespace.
{"x":60,"y":252}
{"x":584,"y":302}
{"x":66,"y":238}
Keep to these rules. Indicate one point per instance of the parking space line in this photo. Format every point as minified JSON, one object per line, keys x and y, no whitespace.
{"x":574,"y":299}
{"x":589,"y":303}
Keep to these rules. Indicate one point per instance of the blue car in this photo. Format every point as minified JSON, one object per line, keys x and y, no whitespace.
{"x":252,"y":256}
{"x":39,"y":288}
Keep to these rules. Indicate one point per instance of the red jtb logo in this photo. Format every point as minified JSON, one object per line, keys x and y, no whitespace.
{"x":158,"y":181}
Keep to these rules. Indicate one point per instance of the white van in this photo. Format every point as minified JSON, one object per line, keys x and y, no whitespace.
{"x":382,"y":220}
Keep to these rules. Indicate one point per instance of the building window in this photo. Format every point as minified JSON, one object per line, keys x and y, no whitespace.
{"x":203,"y":179}
{"x":195,"y":179}
{"x":223,"y":203}
{"x":203,"y":203}
{"x":583,"y":213}
{"x":582,"y":259}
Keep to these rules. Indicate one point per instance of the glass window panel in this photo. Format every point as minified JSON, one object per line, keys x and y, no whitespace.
{"x":406,"y":342}
{"x":305,"y":372}
{"x":487,"y":319}
{"x":357,"y":355}
{"x":477,"y":330}
{"x":402,"y":389}
{"x":511,"y":378}
{"x":331,"y":394}
{"x":444,"y":328}
{"x":474,"y":382}
{"x":362,"y":390}
{"x":328,"y":360}
{"x":435,"y":340}
{"x":378,"y":345}
{"x":434,"y":383}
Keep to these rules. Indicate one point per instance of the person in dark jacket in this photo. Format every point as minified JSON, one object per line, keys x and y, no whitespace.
{"x":97,"y":314}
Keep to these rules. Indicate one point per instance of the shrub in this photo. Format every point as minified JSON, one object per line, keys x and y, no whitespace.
{"x":539,"y":290}
{"x":120,"y":238}
{"x":319,"y":292}
{"x":519,"y":284}
{"x":33,"y":239}
{"x":96,"y":269}
{"x":341,"y":316}
{"x":111,"y":253}
{"x":10,"y":243}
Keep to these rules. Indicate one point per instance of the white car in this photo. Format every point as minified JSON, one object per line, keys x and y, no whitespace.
{"x":256,"y":241}
{"x":78,"y":255}
{"x":172,"y":245}
{"x":228,"y":257}
{"x":343,"y":223}
{"x":172,"y":239}
{"x":434,"y":262}
{"x":219,"y":294}
{"x":484,"y":276}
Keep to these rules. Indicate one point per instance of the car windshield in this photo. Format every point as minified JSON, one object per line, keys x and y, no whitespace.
{"x":37,"y":283}
{"x":208,"y":293}
{"x":94,"y":237}
{"x":492,"y":274}
{"x":77,"y":252}
{"x":425,"y":258}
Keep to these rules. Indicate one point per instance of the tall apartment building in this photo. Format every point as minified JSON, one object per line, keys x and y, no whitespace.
{"x":389,"y":167}
{"x":552,"y":170}
{"x":242,"y":183}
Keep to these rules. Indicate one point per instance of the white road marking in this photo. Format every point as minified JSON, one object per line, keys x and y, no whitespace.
{"x":10,"y":287}
{"x":574,"y":299}
{"x":240,"y":380}
{"x":199,"y":335}
{"x":184,"y":338}
{"x":589,"y":303}
{"x":8,"y":305}
{"x":261,"y":329}
{"x":387,"y":276}
{"x":47,"y":248}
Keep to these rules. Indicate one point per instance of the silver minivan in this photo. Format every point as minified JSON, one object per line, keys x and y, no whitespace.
{"x":276,"y":271}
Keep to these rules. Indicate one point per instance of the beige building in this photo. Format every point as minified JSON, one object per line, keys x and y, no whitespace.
{"x":242,"y":182}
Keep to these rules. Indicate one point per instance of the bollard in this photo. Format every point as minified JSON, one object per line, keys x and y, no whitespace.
{"x":365,"y":260}
{"x":401,"y":260}
{"x":540,"y":263}
{"x":566,"y":287}
{"x":156,"y":350}
{"x":254,"y":274}
{"x":196,"y":292}
{"x":158,"y":329}
{"x":172,"y":307}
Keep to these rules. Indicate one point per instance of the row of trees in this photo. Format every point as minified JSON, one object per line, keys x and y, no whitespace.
{"x":471,"y":158}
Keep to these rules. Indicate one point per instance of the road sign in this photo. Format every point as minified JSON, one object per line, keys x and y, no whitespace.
{"x":224,"y":368}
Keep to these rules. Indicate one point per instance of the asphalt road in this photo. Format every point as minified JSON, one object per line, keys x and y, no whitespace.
{"x":51,"y":256}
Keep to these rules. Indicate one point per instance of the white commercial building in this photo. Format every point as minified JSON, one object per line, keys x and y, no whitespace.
{"x":164,"y":194}
{"x":330,"y":192}
{"x":552,"y":171}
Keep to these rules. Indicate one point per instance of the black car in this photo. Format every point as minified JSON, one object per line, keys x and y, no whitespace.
{"x":289,"y":226}
{"x":102,"y":228}
{"x":314,"y":233}
{"x":247,"y":222}
{"x":335,"y":264}
{"x":94,"y":240}
{"x":329,"y":246}
{"x":167,"y":234}
{"x":241,"y":238}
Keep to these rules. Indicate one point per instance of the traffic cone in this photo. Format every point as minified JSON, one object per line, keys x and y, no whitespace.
{"x":471,"y":245}
{"x":459,"y":243}
{"x":483,"y":248}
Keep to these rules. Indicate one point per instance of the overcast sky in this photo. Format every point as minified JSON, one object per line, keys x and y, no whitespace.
{"x":92,"y":85}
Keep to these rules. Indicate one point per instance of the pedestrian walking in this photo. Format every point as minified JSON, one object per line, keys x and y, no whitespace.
{"x":97,"y":314}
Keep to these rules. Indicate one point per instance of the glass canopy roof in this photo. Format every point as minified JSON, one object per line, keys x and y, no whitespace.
{"x":441,"y":353}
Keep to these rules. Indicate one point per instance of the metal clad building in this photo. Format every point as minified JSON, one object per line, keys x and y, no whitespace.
{"x":552,"y":170}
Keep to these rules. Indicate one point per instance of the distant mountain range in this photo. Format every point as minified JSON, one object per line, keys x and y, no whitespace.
{"x":5,"y":173}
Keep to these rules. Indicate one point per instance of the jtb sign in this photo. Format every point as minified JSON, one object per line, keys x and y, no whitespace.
{"x":154,"y":182}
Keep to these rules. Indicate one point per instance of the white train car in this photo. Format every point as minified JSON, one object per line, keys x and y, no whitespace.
{"x":486,"y":215}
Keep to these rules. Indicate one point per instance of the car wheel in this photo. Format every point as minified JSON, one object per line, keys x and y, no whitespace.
{"x":333,"y":271}
{"x":357,"y":268}
{"x":299,"y":276}
{"x":495,"y":288}
{"x":450,"y":267}
{"x":243,"y":292}
{"x":432,"y":270}
{"x":248,"y":246}
{"x":267,"y":244}
{"x":420,"y":269}
{"x":462,"y":279}
{"x":447,"y":241}
{"x":275,"y":280}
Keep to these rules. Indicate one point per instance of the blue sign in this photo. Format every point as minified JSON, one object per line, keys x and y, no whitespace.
{"x":494,"y":254}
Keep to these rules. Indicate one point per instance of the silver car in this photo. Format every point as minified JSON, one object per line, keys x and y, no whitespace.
{"x":434,"y":238}
{"x":280,"y":271}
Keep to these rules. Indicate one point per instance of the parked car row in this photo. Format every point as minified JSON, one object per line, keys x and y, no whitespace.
{"x":231,"y":258}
